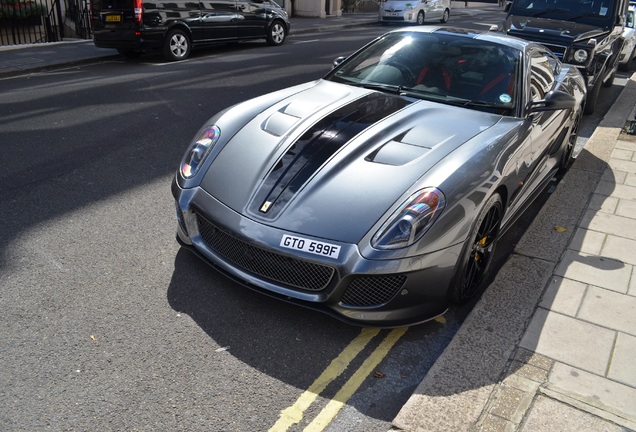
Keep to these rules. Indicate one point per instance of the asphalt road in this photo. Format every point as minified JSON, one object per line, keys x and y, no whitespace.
{"x":107,"y":325}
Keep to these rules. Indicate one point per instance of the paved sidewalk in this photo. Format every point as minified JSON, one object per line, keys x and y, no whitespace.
{"x":551,"y":346}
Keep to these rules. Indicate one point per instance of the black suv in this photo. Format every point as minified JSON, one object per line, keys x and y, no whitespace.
{"x":585,"y":33}
{"x":135,"y":26}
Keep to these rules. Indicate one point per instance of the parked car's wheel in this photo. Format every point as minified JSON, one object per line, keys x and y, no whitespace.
{"x":277,"y":33}
{"x":610,"y":80}
{"x":445,"y":16}
{"x":420,"y":18}
{"x":478,"y":251}
{"x":629,"y":64}
{"x":130,"y":54}
{"x":176,"y":45}
{"x":592,"y":97}
{"x":566,"y":157}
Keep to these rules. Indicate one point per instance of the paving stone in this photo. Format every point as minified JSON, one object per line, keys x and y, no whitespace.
{"x":610,"y":224}
{"x":529,"y":372}
{"x":594,"y":270}
{"x":616,"y":190}
{"x":548,"y":415}
{"x":569,"y":340}
{"x":626,"y":208}
{"x":563,"y":296}
{"x":610,"y":309}
{"x":614,"y":176}
{"x":620,"y":248}
{"x":507,"y":402}
{"x":622,"y":154}
{"x":534,"y":359}
{"x":592,"y":389}
{"x":624,"y":166}
{"x":623,"y":366}
{"x":630,"y":179}
{"x":626,"y":145}
{"x":632,"y":283}
{"x":602,"y":203}
{"x":496,"y":424}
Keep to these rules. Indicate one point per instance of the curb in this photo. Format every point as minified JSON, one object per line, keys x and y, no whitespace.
{"x":483,"y":363}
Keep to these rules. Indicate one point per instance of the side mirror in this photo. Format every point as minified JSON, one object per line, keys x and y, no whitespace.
{"x":337,"y":61}
{"x":554,"y":100}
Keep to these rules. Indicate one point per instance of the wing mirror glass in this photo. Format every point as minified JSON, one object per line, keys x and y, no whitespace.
{"x":337,"y":61}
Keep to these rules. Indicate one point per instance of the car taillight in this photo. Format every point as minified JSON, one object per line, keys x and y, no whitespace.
{"x":138,"y":9}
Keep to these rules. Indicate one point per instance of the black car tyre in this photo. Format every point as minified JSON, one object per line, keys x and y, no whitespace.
{"x":478,"y":251}
{"x":176,"y":45}
{"x":592,"y":97}
{"x":277,"y":33}
{"x":610,"y":80}
{"x":420,"y":18}
{"x":566,"y":157}
{"x":629,"y":64}
{"x":445,"y":16}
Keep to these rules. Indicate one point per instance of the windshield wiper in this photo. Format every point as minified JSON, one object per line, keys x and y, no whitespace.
{"x":381,"y":87}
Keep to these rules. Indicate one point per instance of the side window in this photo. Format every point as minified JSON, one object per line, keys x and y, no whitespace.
{"x":630,"y":19}
{"x":543,"y":67}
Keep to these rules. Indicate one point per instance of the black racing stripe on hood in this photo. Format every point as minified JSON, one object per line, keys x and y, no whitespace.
{"x":316,"y":146}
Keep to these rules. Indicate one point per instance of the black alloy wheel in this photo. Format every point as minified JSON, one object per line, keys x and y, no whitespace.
{"x":478,"y":251}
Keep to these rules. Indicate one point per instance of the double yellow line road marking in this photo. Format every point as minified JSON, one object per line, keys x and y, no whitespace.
{"x":294,"y":414}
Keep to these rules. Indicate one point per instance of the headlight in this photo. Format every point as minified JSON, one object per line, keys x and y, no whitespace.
{"x":580,"y":56}
{"x":199,"y":150}
{"x":409,"y":223}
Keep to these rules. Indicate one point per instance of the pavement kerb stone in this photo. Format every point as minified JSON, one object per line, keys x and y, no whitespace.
{"x":446,"y":398}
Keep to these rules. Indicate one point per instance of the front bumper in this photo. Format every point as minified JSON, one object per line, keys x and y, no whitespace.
{"x":379,"y":293}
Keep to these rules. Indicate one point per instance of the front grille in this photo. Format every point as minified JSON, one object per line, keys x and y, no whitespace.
{"x":386,"y":18}
{"x":278,"y":268}
{"x":372,"y":290}
{"x":558,"y":50}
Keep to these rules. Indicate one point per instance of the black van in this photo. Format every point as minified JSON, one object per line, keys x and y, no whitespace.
{"x":175,"y":26}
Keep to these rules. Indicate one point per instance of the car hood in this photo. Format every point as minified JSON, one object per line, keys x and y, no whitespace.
{"x":550,"y":30}
{"x":329,"y":160}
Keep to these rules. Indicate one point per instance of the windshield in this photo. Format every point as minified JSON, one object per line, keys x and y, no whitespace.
{"x":592,"y":12}
{"x":437,"y":66}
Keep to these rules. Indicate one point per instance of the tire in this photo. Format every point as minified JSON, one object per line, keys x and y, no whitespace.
{"x":627,"y":66}
{"x":610,"y":80}
{"x":445,"y":16}
{"x":177,"y":45}
{"x":478,"y":252}
{"x":420,"y":18}
{"x":129,"y":54}
{"x":592,"y":98}
{"x":566,"y":157}
{"x":276,"y":34}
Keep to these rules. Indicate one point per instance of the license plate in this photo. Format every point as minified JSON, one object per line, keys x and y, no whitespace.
{"x":391,"y":14}
{"x":113,"y":18}
{"x":311,"y":246}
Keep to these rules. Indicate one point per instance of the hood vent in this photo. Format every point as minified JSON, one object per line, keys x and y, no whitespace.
{"x":316,"y":146}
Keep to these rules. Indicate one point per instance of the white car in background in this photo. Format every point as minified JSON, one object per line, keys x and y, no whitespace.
{"x":414,"y":11}
{"x":626,"y":59}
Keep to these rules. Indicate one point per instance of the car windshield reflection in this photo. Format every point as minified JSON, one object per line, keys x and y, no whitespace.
{"x":440,"y":67}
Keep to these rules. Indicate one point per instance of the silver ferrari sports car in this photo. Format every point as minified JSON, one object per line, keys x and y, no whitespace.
{"x":377,"y":193}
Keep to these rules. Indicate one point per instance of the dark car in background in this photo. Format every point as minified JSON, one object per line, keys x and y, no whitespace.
{"x":584,"y":33}
{"x":135,"y":26}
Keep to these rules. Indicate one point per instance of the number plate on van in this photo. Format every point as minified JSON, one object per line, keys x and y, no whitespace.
{"x":113,"y":18}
